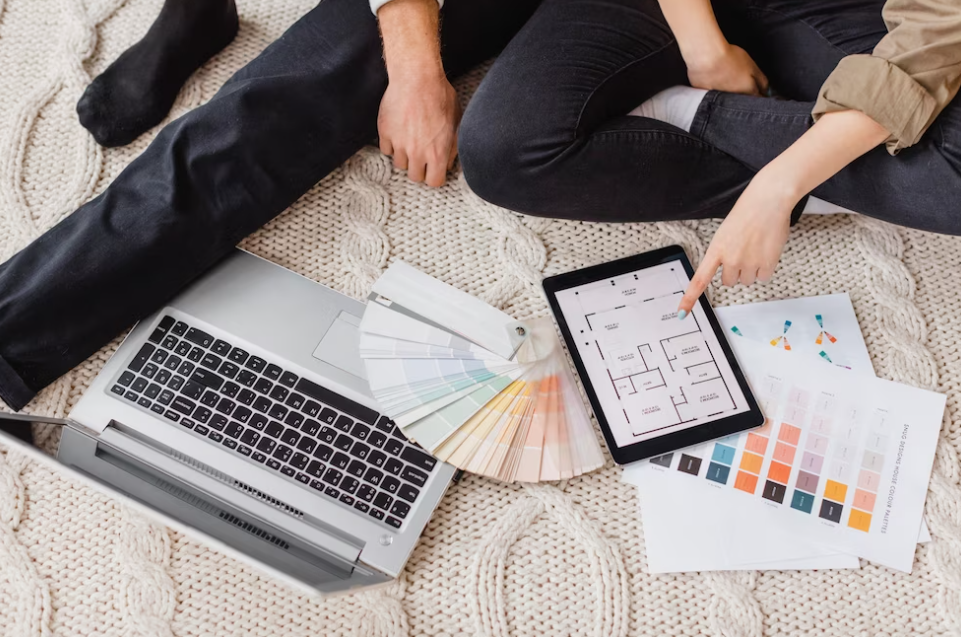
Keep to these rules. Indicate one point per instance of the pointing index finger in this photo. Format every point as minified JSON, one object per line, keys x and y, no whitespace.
{"x":699,"y":282}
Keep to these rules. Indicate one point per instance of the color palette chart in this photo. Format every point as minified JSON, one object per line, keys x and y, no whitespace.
{"x":842,"y":459}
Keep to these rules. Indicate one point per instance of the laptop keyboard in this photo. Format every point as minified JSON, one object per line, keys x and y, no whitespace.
{"x":329,"y":443}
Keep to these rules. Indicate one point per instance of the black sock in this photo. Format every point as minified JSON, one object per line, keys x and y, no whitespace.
{"x":137,"y":91}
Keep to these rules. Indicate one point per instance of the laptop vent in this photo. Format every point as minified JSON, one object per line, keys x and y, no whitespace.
{"x":199,"y":466}
{"x":272,"y":501}
{"x":254,"y":530}
{"x":187,"y":497}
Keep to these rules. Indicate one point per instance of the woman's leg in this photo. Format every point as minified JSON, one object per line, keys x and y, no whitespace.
{"x":209,"y":179}
{"x":797,"y":43}
{"x":547,"y":131}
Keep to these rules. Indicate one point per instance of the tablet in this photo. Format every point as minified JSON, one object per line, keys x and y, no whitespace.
{"x":656,"y":383}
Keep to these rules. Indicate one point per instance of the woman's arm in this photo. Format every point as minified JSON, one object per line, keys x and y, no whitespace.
{"x":749,"y":242}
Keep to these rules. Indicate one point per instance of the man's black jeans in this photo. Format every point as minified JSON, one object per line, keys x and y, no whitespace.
{"x":545,"y":134}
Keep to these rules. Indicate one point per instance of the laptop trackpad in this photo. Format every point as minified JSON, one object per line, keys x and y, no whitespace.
{"x":340,"y":346}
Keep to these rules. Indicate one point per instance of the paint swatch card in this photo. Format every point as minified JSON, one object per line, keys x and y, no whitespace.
{"x":471,"y":385}
{"x":843,"y":459}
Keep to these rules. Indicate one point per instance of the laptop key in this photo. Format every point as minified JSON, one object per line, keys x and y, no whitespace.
{"x":266,"y":445}
{"x":183,"y":348}
{"x":159,"y":357}
{"x":200,"y":429}
{"x":377,"y":458}
{"x":316,"y":469}
{"x":210,"y":361}
{"x":165,"y":397}
{"x":183,"y":405}
{"x":273,"y":372}
{"x":283,"y":453}
{"x":193,"y":390}
{"x":363,"y":507}
{"x":317,"y":484}
{"x":377,"y":439}
{"x":390,"y":484}
{"x":373,"y":476}
{"x":328,"y":416}
{"x":152,"y":391}
{"x":238,"y":356}
{"x":244,"y":450}
{"x":247,"y":379}
{"x":262,"y":404}
{"x":360,"y":451}
{"x":400,"y":509}
{"x":366,"y":492}
{"x":299,"y":461}
{"x":221,"y":348}
{"x":198,"y":337}
{"x":414,"y":476}
{"x":141,"y":358}
{"x":278,"y":411}
{"x":360,"y":431}
{"x":290,"y":472}
{"x":249,"y":437}
{"x":176,"y":383}
{"x":356,"y":468}
{"x":126,"y":378}
{"x":383,"y":501}
{"x":340,"y":460}
{"x":343,"y":442}
{"x":170,"y":342}
{"x":307,"y":444}
{"x":407,"y":492}
{"x":332,"y":476}
{"x":393,"y":466}
{"x":187,"y":422}
{"x":327,"y":435}
{"x":202,"y":414}
{"x":226,"y":406}
{"x":274,"y":429}
{"x":332,"y":492}
{"x":302,"y":478}
{"x":242,"y":414}
{"x":208,"y":379}
{"x":263,"y":386}
{"x":132,"y":397}
{"x":195,"y":355}
{"x":279,"y":393}
{"x":290,"y":436}
{"x":377,"y":514}
{"x":179,"y":329}
{"x":149,"y":370}
{"x":218,"y":422}
{"x":210,"y":398}
{"x":157,"y":408}
{"x":289,"y":379}
{"x":347,"y":499}
{"x":117,"y":389}
{"x":394,"y":522}
{"x":294,"y":419}
{"x":234,"y":429}
{"x":258,"y":421}
{"x":143,"y":402}
{"x":230,"y":389}
{"x":274,"y":464}
{"x":259,"y":457}
{"x":246,"y":397}
{"x":230,"y":443}
{"x":385,"y":424}
{"x":344,"y":423}
{"x":310,"y":427}
{"x":163,"y":376}
{"x":323,"y":453}
{"x":186,"y":368}
{"x":157,"y":335}
{"x":256,"y":364}
{"x":172,"y":363}
{"x":311,"y":408}
{"x":419,"y":459}
{"x":216,"y":436}
{"x":393,"y":446}
{"x":228,"y":369}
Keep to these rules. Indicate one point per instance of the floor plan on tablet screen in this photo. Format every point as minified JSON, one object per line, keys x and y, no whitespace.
{"x":653,"y":373}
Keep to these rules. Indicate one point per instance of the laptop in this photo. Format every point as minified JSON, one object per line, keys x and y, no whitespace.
{"x":240,"y":414}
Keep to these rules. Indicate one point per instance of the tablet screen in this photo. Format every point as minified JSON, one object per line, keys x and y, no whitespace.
{"x":652,"y":374}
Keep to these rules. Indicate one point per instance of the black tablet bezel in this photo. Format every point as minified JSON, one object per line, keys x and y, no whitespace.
{"x":672,"y":441}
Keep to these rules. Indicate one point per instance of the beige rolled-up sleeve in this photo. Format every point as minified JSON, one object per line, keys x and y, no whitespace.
{"x":913,"y":73}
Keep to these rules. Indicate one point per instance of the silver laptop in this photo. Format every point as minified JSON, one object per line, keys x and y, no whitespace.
{"x":240,"y":412}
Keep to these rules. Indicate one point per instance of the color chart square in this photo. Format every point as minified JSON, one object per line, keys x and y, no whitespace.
{"x":774,"y":492}
{"x":723,"y":454}
{"x":831,"y":511}
{"x":812,"y":462}
{"x":689,"y":464}
{"x":872,"y":461}
{"x":663,"y":461}
{"x":860,"y":520}
{"x":835,"y":491}
{"x":869,"y":480}
{"x":802,"y":501}
{"x":784,"y":453}
{"x":807,"y":482}
{"x":751,"y":462}
{"x":779,"y":472}
{"x":718,"y":472}
{"x":864,"y":500}
{"x":756,"y":443}
{"x":789,"y":434}
{"x":745,"y":482}
{"x":817,"y":444}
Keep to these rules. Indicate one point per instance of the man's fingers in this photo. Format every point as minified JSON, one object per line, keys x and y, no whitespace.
{"x":400,"y":159}
{"x":765,"y":273}
{"x":748,"y":275}
{"x":416,"y":169}
{"x":386,"y":147}
{"x":699,"y":282}
{"x":452,"y":155}
{"x":436,"y":174}
{"x":762,"y":82}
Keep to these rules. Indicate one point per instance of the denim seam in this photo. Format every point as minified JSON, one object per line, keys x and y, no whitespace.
{"x":13,"y":389}
{"x":580,"y":115}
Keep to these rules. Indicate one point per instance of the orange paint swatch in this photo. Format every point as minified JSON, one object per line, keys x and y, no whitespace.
{"x":835,"y":491}
{"x":751,"y":462}
{"x":864,"y":499}
{"x":779,"y":472}
{"x":756,"y":443}
{"x":745,"y":482}
{"x":859,"y":520}
{"x":789,"y":434}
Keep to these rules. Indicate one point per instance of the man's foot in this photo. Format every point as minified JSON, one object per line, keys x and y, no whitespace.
{"x":137,"y":91}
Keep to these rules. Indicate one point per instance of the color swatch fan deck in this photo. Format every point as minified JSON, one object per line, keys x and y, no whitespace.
{"x":471,"y":385}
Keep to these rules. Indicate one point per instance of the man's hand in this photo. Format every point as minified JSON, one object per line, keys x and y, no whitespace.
{"x":728,"y":69}
{"x":418,"y":126}
{"x":419,"y":112}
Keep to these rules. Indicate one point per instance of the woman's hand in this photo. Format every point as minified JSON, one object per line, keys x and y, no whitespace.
{"x":417,"y":124}
{"x":725,"y":67}
{"x":749,"y":242}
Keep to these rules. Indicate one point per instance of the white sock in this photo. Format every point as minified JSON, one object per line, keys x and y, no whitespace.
{"x":676,"y":105}
{"x":815,"y":206}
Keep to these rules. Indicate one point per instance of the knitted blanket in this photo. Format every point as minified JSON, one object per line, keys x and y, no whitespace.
{"x":496,"y":560}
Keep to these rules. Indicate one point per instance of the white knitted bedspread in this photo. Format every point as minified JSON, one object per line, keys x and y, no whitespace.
{"x":496,"y":560}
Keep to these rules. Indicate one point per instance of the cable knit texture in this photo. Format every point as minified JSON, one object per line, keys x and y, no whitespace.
{"x":496,"y":560}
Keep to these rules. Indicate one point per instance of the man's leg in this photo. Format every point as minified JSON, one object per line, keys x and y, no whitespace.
{"x":797,"y":44}
{"x":547,"y":131}
{"x":210,"y":178}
